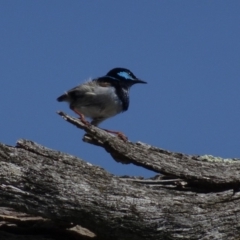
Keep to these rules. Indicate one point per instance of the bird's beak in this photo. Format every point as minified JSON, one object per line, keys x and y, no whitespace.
{"x":139,"y":81}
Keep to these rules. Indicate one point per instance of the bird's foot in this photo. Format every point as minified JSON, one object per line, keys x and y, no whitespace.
{"x":82,"y":118}
{"x":119,"y":134}
{"x":122,"y":136}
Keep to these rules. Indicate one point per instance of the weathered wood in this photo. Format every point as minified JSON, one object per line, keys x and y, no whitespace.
{"x":63,"y":188}
{"x":17,"y":225}
{"x":199,"y":169}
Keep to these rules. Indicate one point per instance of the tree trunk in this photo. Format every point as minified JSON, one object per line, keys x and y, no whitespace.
{"x":195,"y":197}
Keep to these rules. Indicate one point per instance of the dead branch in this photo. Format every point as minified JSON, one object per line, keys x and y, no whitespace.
{"x":195,"y":197}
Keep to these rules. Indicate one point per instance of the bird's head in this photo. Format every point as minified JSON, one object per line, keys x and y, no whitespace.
{"x":125,"y":76}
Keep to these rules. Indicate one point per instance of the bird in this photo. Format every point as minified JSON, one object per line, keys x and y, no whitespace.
{"x":102,"y":97}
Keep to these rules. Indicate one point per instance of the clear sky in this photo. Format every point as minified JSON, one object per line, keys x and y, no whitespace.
{"x":188,"y":52}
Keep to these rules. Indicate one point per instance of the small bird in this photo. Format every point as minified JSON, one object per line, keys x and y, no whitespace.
{"x":102,"y":97}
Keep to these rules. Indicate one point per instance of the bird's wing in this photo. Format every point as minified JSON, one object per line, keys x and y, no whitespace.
{"x":76,"y":93}
{"x":86,"y":95}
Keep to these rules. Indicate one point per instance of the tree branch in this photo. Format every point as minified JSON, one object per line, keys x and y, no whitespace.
{"x":176,"y":205}
{"x":200,"y":170}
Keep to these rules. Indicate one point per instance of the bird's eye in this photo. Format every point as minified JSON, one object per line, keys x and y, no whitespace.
{"x":131,"y":75}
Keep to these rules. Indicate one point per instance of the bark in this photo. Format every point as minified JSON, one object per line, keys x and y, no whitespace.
{"x":195,"y":197}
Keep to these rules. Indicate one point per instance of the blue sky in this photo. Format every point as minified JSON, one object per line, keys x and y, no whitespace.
{"x":187,"y":51}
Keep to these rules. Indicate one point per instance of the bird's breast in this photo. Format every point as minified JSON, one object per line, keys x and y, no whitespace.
{"x":108,"y":98}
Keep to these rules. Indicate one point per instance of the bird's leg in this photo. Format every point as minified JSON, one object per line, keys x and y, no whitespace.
{"x":81,"y":117}
{"x":119,"y":134}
